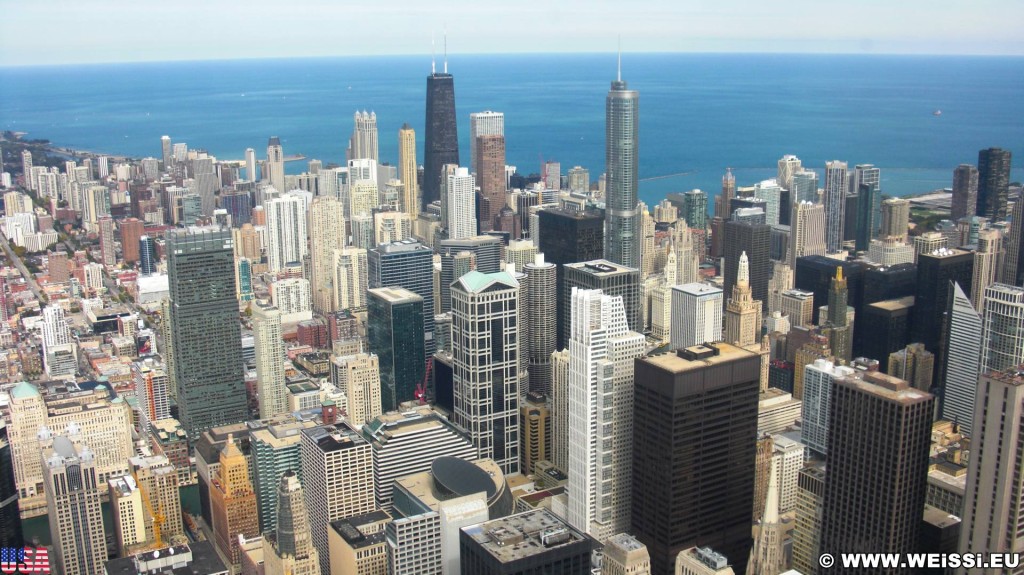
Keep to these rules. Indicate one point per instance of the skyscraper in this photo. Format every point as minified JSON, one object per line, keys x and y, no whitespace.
{"x":408,"y":264}
{"x":1013,"y":269}
{"x":233,"y":503}
{"x":359,"y":376}
{"x":788,"y":166}
{"x":994,"y":497}
{"x":993,"y":183}
{"x":838,"y":324}
{"x":965,"y":192}
{"x":865,"y":183}
{"x":441,"y":140}
{"x":483,"y":124}
{"x":250,"y":164}
{"x":988,"y":256}
{"x":694,"y":421}
{"x":275,"y":164}
{"x":541,"y":301}
{"x":960,"y":372}
{"x":754,"y":239}
{"x":287,"y":242}
{"x":266,"y":326}
{"x":288,"y":549}
{"x":326,"y":234}
{"x":601,"y":354}
{"x":461,"y":217}
{"x":877,"y":466}
{"x":1002,"y":340}
{"x":696,"y":315}
{"x":622,"y":142}
{"x":490,"y":175}
{"x":485,"y":358}
{"x":395,"y":332}
{"x":72,"y":489}
{"x":131,"y":230}
{"x":407,"y":168}
{"x":935,"y":271}
{"x":835,"y":204}
{"x":895,"y":218}
{"x":610,"y":278}
{"x":363,"y":143}
{"x":818,"y":382}
{"x":165,"y":151}
{"x":206,"y":341}
{"x":742,"y":311}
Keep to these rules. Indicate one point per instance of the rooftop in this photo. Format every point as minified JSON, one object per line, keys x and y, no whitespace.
{"x":601,"y":267}
{"x":672,"y":362}
{"x":351,"y":529}
{"x":885,"y":386}
{"x":895,"y":304}
{"x":699,"y":289}
{"x":521,"y":536}
{"x":395,"y":294}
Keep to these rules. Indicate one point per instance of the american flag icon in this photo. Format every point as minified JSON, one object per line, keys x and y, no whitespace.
{"x":24,"y":560}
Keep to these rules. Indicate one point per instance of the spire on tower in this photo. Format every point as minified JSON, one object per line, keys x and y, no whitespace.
{"x":743,"y":275}
{"x":445,"y":49}
{"x":619,"y":75}
{"x":433,"y":55}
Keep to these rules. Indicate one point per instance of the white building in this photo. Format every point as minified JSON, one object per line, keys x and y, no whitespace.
{"x":483,"y":124}
{"x":962,"y":364}
{"x":818,"y":380}
{"x":291,"y":297}
{"x":151,"y":385}
{"x":358,"y":377}
{"x":286,"y":231}
{"x":461,"y":205}
{"x":269,"y":347}
{"x":696,"y":315}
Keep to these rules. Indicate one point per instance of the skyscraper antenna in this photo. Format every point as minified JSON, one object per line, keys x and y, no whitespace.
{"x":433,"y":55}
{"x":619,"y":76}
{"x":446,"y":49}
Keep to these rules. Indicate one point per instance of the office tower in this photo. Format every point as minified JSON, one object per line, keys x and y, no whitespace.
{"x":988,"y":256}
{"x":165,"y":149}
{"x":568,"y":236}
{"x":326,"y":234}
{"x":895,"y":218}
{"x":965,"y":192}
{"x":10,"y":514}
{"x":395,"y":333}
{"x":129,"y":518}
{"x":696,"y":315}
{"x":460,"y":217}
{"x":250,"y":165}
{"x":818,"y":382}
{"x":883,"y":327}
{"x":1002,"y":345}
{"x":929,"y":242}
{"x":877,"y":466}
{"x":441,"y":145}
{"x":205,"y":344}
{"x":648,"y":255}
{"x":108,"y":256}
{"x":233,"y":503}
{"x":266,"y":326}
{"x":407,"y":171}
{"x":541,"y":318}
{"x":840,"y":330}
{"x":274,"y":165}
{"x":359,"y":377}
{"x":770,"y":192}
{"x":610,"y":278}
{"x":754,"y":239}
{"x":131,"y":230}
{"x":288,"y":549}
{"x":961,"y":369}
{"x":535,"y":431}
{"x":601,"y":354}
{"x":742,"y":312}
{"x":807,"y":529}
{"x":622,"y":142}
{"x":723,"y":203}
{"x":157,"y":479}
{"x":357,"y":544}
{"x":835,"y":204}
{"x":350,"y":279}
{"x":407,"y":264}
{"x":560,"y":409}
{"x":407,"y":442}
{"x":579,"y":180}
{"x":459,"y":256}
{"x":804,"y":187}
{"x":935,"y":271}
{"x":274,"y":448}
{"x":485,"y":313}
{"x":913,"y":364}
{"x":490,"y":174}
{"x":624,"y":555}
{"x":533,"y":542}
{"x":686,"y":253}
{"x":807,"y":235}
{"x":695,"y":208}
{"x":695,"y":414}
{"x":865,"y":183}
{"x":993,"y":183}
{"x":363,"y":143}
{"x":337,"y":475}
{"x":59,"y":349}
{"x":890,"y":251}
{"x":286,"y":231}
{"x":1013,"y":266}
{"x":483,"y":124}
{"x":151,"y":387}
{"x":73,"y":504}
{"x":519,"y":253}
{"x":993,"y":496}
{"x":789,"y":165}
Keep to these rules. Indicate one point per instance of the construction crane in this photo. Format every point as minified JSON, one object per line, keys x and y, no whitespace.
{"x":158,"y":517}
{"x":421,"y":389}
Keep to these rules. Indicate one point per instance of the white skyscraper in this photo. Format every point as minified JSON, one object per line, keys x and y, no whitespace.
{"x":59,"y":349}
{"x":350,"y":279}
{"x":987,"y":260}
{"x":818,"y":379}
{"x":964,"y":349}
{"x":483,"y":124}
{"x":485,"y":364}
{"x":788,"y":166}
{"x":461,"y":205}
{"x":73,"y":505}
{"x":275,"y":164}
{"x":771,"y":192}
{"x":326,"y":234}
{"x":286,"y":231}
{"x":250,"y":164}
{"x":266,"y":325}
{"x":1002,"y":336}
{"x":835,"y":204}
{"x":358,"y":376}
{"x":601,"y":354}
{"x":363,"y":144}
{"x":807,"y":232}
{"x":696,"y":315}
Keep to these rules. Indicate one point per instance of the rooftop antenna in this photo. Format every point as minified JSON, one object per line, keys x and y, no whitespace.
{"x":433,"y":55}
{"x":446,"y":49}
{"x":619,"y":77}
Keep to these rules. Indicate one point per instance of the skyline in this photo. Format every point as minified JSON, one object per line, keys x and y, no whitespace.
{"x":313,"y":28}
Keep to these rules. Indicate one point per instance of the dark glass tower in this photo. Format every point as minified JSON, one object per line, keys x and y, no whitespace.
{"x":407,"y":264}
{"x":754,"y":239}
{"x":395,"y":331}
{"x":207,"y":339}
{"x":441,"y":136}
{"x":10,"y":517}
{"x":622,"y":141}
{"x":993,"y":183}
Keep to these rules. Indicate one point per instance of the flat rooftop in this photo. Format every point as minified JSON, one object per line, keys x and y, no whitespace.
{"x":672,"y":362}
{"x":521,"y":536}
{"x":895,"y":304}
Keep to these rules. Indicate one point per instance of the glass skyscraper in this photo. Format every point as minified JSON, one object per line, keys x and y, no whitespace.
{"x":408,"y":264}
{"x":441,"y":135}
{"x":622,"y":134}
{"x":395,"y":332}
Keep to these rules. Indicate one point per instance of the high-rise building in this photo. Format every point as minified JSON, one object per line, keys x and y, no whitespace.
{"x":1013,"y":266}
{"x":835,"y":204}
{"x":391,"y":227}
{"x":601,"y":354}
{"x":359,"y":376}
{"x":206,"y":341}
{"x":789,"y":165}
{"x":485,"y":357}
{"x":269,"y":345}
{"x":458,"y":256}
{"x":742,"y":311}
{"x":965,"y":192}
{"x":913,"y":364}
{"x":274,"y":449}
{"x":770,"y":193}
{"x":1002,"y":340}
{"x":994,"y":498}
{"x":696,"y":315}
{"x":408,"y":264}
{"x":754,"y":239}
{"x":151,"y":390}
{"x":840,"y":329}
{"x":10,"y":516}
{"x":568,"y":236}
{"x":541,"y":334}
{"x":695,"y":208}
{"x":73,"y":505}
{"x":131,"y":230}
{"x":807,"y":528}
{"x":610,"y":278}
{"x":807,"y":232}
{"x":483,"y":124}
{"x":337,"y":476}
{"x":694,"y":421}
{"x":441,"y":140}
{"x":624,"y":555}
{"x":326,"y":234}
{"x":410,"y":202}
{"x":877,"y":462}
{"x":157,"y":478}
{"x":108,"y":256}
{"x":287,"y":242}
{"x":865,"y":183}
{"x":274,"y":165}
{"x":533,"y":542}
{"x":963,"y":352}
{"x":289,"y":549}
{"x":129,"y":517}
{"x":622,"y":142}
{"x":988,"y":256}
{"x":935,"y":271}
{"x":804,"y":187}
{"x":363,"y":143}
{"x":395,"y":332}
{"x":459,"y":186}
{"x":489,"y":167}
{"x":579,"y":180}
{"x":250,"y":165}
{"x":818,"y":382}
{"x":351,"y":278}
{"x":59,"y":349}
{"x":534,"y":431}
{"x":357,"y":544}
{"x":165,"y":149}
{"x":233,"y":504}
{"x":993,"y":183}
{"x":895,"y":218}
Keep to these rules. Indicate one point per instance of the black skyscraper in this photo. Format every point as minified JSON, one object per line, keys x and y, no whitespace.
{"x":441,"y":143}
{"x":935,"y":271}
{"x":568,"y":237}
{"x":755,"y":239}
{"x":993,"y":183}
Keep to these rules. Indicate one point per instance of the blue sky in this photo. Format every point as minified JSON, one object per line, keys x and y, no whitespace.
{"x":65,"y":31}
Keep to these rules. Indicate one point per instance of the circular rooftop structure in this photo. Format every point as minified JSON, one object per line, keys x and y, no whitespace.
{"x":456,"y":477}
